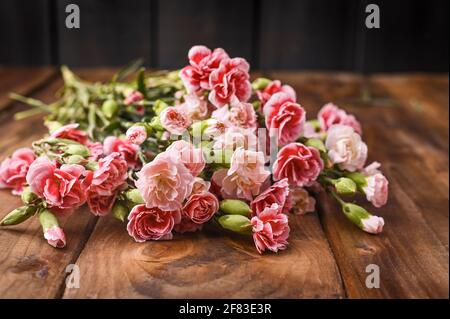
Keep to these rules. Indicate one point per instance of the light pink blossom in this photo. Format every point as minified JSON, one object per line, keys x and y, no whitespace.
{"x":230,"y":82}
{"x":200,"y":208}
{"x":202,"y":62}
{"x":55,"y":237}
{"x":136,"y":134}
{"x":151,"y":223}
{"x":300,"y":164}
{"x":377,"y":185}
{"x":13,"y":170}
{"x":194,"y":106}
{"x":345,"y":147}
{"x":373,"y":224}
{"x":239,"y":114}
{"x":330,"y":114}
{"x":174,"y":120}
{"x":200,"y":186}
{"x":245,"y":176}
{"x":270,"y":229}
{"x":184,"y":152}
{"x":284,"y":118}
{"x":133,"y":98}
{"x":164,"y":183}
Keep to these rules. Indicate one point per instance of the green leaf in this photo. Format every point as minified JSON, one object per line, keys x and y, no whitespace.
{"x":317,"y":144}
{"x":128,"y":69}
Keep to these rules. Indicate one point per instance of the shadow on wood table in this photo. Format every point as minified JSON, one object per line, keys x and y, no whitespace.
{"x":405,"y":122}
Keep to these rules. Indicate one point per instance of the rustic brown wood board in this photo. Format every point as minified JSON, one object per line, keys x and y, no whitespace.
{"x":405,"y":123}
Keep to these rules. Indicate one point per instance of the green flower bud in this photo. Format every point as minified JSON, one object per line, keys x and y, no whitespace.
{"x":359,"y":179}
{"x":47,"y":219}
{"x":18,"y":215}
{"x":77,"y":149}
{"x":75,"y":159}
{"x":134,"y":196}
{"x":345,"y":186}
{"x":110,"y":108}
{"x":237,"y":223}
{"x":159,"y":106}
{"x":28,"y":196}
{"x":155,"y":124}
{"x":235,"y":207}
{"x":120,"y":211}
{"x":355,"y":213}
{"x":317,"y":144}
{"x":91,"y":165}
{"x":260,"y":83}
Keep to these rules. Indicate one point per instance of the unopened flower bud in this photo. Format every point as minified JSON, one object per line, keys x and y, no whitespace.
{"x":120,"y":211}
{"x":159,"y":106}
{"x":52,"y":232}
{"x":345,"y":186}
{"x":155,"y":124}
{"x":363,"y":219}
{"x":260,"y":83}
{"x":75,"y":159}
{"x":28,"y":196}
{"x":359,"y":178}
{"x":77,"y":149}
{"x":235,"y":207}
{"x":110,"y":108}
{"x":18,"y":215}
{"x":236,"y":223}
{"x":134,"y":196}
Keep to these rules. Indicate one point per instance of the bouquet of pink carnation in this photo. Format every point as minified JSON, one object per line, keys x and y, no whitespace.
{"x":171,"y":152}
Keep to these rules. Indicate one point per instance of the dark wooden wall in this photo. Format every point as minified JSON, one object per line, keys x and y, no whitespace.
{"x":283,"y":34}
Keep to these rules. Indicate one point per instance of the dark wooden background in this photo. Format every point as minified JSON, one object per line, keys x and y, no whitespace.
{"x":284,"y":34}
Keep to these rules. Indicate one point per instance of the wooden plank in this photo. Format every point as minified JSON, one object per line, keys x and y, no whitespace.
{"x":308,"y":34}
{"x":30,"y":267}
{"x":182,"y":24}
{"x":25,"y":32}
{"x":111,"y":33}
{"x":412,"y":252}
{"x":22,"y":80}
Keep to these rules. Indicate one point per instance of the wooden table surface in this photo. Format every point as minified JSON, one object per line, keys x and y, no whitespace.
{"x":405,"y":123}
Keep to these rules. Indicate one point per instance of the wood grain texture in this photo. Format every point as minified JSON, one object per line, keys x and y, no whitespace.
{"x":412,"y":252}
{"x":29,"y":267}
{"x":206,"y":265}
{"x":22,"y":81}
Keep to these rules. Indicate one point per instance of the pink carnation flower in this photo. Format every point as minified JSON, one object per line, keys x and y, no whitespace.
{"x":55,"y":237}
{"x":133,"y":97}
{"x":330,"y":114}
{"x":71,"y":133}
{"x":245,"y":176}
{"x":230,"y":82}
{"x":200,"y":208}
{"x":275,"y":194}
{"x":298,"y":163}
{"x":184,"y":152}
{"x":64,"y":188}
{"x":373,"y":224}
{"x":136,"y":135}
{"x":239,"y":114}
{"x":164,"y":183}
{"x":187,"y":226}
{"x":284,"y":117}
{"x":272,"y":88}
{"x":151,"y":223}
{"x":13,"y":170}
{"x":200,"y":186}
{"x":377,"y":185}
{"x":202,"y":62}
{"x":129,"y":151}
{"x":101,"y":205}
{"x":174,"y":120}
{"x":96,"y":150}
{"x":195,"y":107}
{"x":270,"y":229}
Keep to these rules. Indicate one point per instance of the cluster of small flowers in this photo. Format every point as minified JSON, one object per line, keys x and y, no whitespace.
{"x":220,"y":133}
